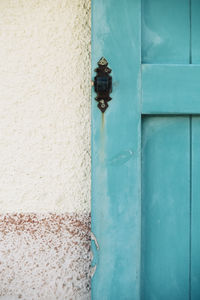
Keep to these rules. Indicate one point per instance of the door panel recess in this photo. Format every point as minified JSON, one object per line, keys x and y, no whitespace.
{"x":169,"y":254}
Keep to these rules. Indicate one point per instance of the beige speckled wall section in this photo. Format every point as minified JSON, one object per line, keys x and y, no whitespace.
{"x":44,"y":149}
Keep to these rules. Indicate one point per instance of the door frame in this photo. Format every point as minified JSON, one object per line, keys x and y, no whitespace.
{"x":116,"y":152}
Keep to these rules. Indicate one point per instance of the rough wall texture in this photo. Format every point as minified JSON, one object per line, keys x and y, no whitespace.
{"x":44,"y":149}
{"x":44,"y":256}
{"x":44,"y":105}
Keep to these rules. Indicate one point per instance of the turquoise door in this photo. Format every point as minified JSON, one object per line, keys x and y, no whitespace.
{"x":146,"y":151}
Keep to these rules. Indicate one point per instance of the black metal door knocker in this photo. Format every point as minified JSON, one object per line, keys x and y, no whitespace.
{"x":103,"y":84}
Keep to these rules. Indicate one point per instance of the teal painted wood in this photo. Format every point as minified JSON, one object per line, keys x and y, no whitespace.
{"x":195,"y":230}
{"x":165,"y":208}
{"x":169,"y":86}
{"x":165,"y":31}
{"x":170,"y":89}
{"x":195,"y":37}
{"x":195,"y":161}
{"x":116,"y":152}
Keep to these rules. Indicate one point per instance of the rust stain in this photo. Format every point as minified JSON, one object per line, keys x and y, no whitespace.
{"x":50,"y":222}
{"x":102,"y":139}
{"x":48,"y":255}
{"x":102,"y":121}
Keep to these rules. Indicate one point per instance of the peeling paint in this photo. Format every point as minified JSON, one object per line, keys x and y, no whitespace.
{"x":93,"y":238}
{"x":93,"y":270}
{"x":94,"y":266}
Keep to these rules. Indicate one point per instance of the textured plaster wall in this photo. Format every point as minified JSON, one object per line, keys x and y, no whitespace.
{"x":44,"y":256}
{"x":44,"y":105}
{"x":45,"y":149}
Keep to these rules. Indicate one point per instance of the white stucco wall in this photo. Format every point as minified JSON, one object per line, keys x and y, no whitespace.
{"x":44,"y":105}
{"x":45,"y":149}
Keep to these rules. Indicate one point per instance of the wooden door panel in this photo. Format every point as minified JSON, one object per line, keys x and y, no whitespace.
{"x":170,"y":89}
{"x":195,"y":28}
{"x":165,"y":208}
{"x":166,"y":83}
{"x":116,"y":175}
{"x":165,"y":31}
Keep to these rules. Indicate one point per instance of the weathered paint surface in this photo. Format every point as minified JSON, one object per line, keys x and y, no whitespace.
{"x":169,"y":85}
{"x":170,"y":190}
{"x":116,"y":177}
{"x":165,"y":31}
{"x":165,"y":207}
{"x":195,"y":38}
{"x":177,"y":89}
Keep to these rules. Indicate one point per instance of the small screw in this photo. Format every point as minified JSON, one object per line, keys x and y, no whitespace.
{"x":102,"y":103}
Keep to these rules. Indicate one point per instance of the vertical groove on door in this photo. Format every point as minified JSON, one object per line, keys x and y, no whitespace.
{"x":190,"y":231}
{"x":195,"y":221}
{"x":190,"y":38}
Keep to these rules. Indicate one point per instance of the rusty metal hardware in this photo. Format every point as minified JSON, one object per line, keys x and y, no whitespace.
{"x":103,"y":84}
